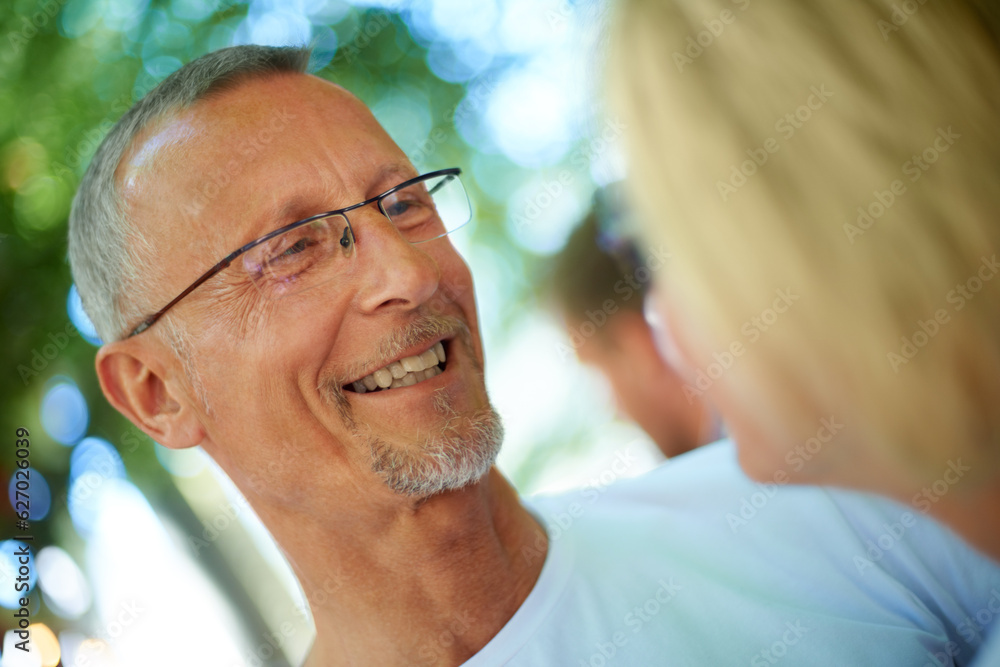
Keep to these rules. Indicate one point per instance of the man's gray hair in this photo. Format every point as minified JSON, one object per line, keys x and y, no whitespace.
{"x":105,"y":251}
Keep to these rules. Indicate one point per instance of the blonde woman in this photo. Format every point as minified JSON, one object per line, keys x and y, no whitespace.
{"x":825,"y":176}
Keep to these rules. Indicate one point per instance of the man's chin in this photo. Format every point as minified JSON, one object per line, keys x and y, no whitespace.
{"x":460,"y":454}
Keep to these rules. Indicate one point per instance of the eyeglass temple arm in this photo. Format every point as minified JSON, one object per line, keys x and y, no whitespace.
{"x":151,"y":320}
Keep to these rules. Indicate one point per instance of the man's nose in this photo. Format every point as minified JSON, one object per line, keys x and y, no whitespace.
{"x":394,"y":273}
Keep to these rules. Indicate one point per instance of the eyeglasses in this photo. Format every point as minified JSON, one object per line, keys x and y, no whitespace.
{"x":312,"y":251}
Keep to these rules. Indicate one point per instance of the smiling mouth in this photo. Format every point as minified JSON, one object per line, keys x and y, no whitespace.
{"x":405,"y":372}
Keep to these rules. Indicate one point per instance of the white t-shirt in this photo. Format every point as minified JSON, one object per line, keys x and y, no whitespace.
{"x":989,"y":654}
{"x":694,"y":564}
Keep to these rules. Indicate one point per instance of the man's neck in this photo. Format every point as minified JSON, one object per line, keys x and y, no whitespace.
{"x":431,"y":582}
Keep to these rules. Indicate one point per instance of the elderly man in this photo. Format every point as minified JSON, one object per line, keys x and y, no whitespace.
{"x":276,"y":285}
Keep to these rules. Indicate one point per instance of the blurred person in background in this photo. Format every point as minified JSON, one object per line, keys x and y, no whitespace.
{"x":598,"y":285}
{"x":329,"y":361}
{"x":838,"y":160}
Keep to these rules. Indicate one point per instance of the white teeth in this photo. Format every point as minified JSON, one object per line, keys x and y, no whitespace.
{"x":429,"y":358}
{"x":413,"y":364}
{"x":405,"y":372}
{"x":383,"y":377}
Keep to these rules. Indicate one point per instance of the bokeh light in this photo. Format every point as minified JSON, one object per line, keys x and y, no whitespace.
{"x":274,"y":24}
{"x":63,"y":585}
{"x":95,"y":455}
{"x":44,"y":641}
{"x":458,"y":62}
{"x":453,"y":22}
{"x":10,"y":564}
{"x":527,"y":116}
{"x":181,"y":462}
{"x":80,"y":651}
{"x":15,"y":657}
{"x":93,"y":464}
{"x":64,"y":413}
{"x":79,"y":318}
{"x":39,"y":496}
{"x":405,"y":115}
{"x":123,"y":15}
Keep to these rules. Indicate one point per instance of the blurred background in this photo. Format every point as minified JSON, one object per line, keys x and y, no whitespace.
{"x":146,"y":556}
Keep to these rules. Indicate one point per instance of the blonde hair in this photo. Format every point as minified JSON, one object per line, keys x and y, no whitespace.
{"x":847,"y":152}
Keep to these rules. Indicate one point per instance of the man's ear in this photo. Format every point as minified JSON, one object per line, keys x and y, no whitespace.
{"x":141,"y":385}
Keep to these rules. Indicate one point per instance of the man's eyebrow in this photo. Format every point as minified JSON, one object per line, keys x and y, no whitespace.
{"x":298,"y":206}
{"x":391,"y":175}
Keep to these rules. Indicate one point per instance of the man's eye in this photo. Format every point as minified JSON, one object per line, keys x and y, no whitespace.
{"x":398,"y":208}
{"x":299,"y":246}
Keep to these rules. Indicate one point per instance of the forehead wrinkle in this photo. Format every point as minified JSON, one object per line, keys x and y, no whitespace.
{"x":299,"y":206}
{"x":318,"y":190}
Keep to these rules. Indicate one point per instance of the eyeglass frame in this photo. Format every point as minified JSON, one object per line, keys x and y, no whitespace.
{"x":226,"y":261}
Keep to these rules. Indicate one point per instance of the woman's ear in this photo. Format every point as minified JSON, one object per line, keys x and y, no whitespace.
{"x":140,"y":381}
{"x":668,"y":334}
